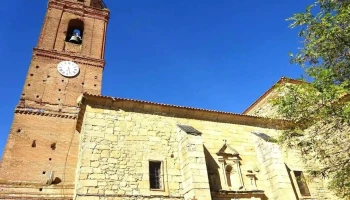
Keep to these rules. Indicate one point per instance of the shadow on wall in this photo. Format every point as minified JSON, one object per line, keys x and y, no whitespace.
{"x":213,"y":171}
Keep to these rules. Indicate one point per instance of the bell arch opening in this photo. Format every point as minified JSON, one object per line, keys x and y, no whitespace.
{"x":75,"y":31}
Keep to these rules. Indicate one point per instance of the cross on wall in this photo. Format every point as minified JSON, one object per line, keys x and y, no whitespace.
{"x":194,"y":198}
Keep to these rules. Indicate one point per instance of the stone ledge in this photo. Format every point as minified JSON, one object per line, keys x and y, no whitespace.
{"x":35,"y":197}
{"x":260,"y":194}
{"x":241,"y":192}
{"x":124,"y":195}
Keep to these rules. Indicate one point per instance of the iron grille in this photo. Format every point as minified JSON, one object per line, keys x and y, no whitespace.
{"x":155,"y":175}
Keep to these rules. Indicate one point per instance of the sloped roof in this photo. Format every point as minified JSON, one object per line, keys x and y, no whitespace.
{"x":176,"y":106}
{"x":281,"y":80}
{"x":179,"y":111}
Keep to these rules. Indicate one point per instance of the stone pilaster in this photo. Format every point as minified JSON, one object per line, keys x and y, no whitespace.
{"x":271,"y":160}
{"x":194,"y":171}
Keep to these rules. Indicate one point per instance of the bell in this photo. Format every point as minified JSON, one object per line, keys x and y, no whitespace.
{"x":76,"y":38}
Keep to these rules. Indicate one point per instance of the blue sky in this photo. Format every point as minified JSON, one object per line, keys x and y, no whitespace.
{"x":219,"y":55}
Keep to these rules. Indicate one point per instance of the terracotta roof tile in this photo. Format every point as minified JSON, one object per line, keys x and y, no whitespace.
{"x":176,"y":106}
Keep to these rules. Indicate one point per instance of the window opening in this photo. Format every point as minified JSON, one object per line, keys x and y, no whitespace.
{"x":75,"y":31}
{"x":304,"y":190}
{"x":155,"y":174}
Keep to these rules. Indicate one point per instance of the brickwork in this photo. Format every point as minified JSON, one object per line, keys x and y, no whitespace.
{"x":55,"y":28}
{"x":41,"y":153}
{"x":45,"y":84}
{"x":90,"y":3}
{"x":43,"y":158}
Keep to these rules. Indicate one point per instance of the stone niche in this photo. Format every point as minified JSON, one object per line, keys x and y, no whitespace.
{"x":230,"y":174}
{"x":231,"y":178}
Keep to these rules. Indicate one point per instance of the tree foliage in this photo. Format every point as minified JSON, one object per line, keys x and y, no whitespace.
{"x":320,"y":103}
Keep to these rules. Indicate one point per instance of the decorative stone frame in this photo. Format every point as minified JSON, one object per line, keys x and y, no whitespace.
{"x":161,"y":178}
{"x":146,"y":188}
{"x":229,"y":159}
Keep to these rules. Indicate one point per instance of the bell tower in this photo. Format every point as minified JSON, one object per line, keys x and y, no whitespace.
{"x":41,"y":152}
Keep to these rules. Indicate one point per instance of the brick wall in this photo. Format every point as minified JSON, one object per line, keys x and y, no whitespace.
{"x":29,"y":156}
{"x":47,"y":110}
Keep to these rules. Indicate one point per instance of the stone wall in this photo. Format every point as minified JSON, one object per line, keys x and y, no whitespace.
{"x":118,"y":141}
{"x":317,"y":186}
{"x":264,"y":108}
{"x":115,"y":151}
{"x":194,"y":172}
{"x":116,"y":146}
{"x":275,"y":162}
{"x":275,"y":173}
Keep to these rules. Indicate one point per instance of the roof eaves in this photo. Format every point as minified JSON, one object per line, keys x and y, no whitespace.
{"x":170,"y":105}
{"x":172,"y":108}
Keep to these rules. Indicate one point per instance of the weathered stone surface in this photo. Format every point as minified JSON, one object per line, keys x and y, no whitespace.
{"x":87,"y":183}
{"x":189,"y":164}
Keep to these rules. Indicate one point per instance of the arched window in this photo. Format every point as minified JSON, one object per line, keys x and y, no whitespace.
{"x":75,"y":31}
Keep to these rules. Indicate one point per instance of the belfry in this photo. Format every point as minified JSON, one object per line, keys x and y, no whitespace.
{"x":67,"y":61}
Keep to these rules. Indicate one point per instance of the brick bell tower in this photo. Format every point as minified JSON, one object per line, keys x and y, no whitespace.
{"x":41,"y":152}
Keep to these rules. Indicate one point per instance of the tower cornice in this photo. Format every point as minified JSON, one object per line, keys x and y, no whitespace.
{"x":80,"y":9}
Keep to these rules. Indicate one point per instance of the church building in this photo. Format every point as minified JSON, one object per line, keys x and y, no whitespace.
{"x":67,"y":141}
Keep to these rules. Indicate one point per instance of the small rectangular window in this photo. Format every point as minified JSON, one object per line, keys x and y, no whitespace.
{"x":304,"y":190}
{"x":155,"y":175}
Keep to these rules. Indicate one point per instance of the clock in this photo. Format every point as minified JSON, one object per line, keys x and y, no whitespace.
{"x":68,"y":68}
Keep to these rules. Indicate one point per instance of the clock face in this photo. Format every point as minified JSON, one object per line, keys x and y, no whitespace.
{"x":68,"y":68}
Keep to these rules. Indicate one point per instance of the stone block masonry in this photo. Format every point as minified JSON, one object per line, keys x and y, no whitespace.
{"x":117,"y":145}
{"x":193,"y":167}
